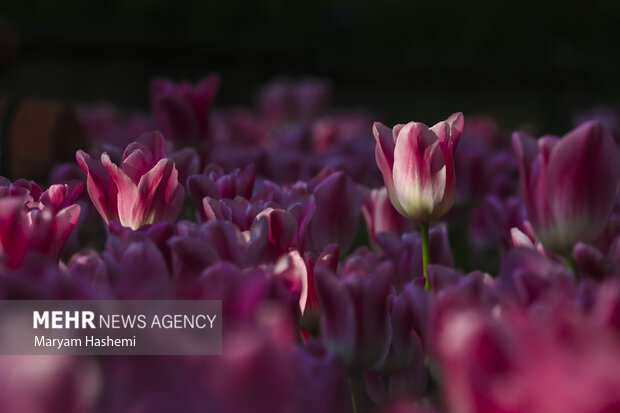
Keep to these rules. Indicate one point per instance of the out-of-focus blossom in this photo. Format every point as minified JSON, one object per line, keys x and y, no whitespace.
{"x":326,"y":210}
{"x":569,"y":185}
{"x":181,"y":110}
{"x":509,"y":360}
{"x":187,"y":162}
{"x":402,"y":368}
{"x":380,"y":215}
{"x":39,"y":279}
{"x":214,"y":183}
{"x":330,"y":131}
{"x":195,"y":247}
{"x":88,"y":265}
{"x":417,"y":163}
{"x":143,"y":190}
{"x":337,"y":214}
{"x":49,"y":384}
{"x":406,"y":252}
{"x":528,"y":276}
{"x":239,"y":127}
{"x":494,"y":219}
{"x":136,"y":270}
{"x":355,"y":313}
{"x":596,"y":264}
{"x":323,"y":383}
{"x":484,"y":162}
{"x":284,"y":100}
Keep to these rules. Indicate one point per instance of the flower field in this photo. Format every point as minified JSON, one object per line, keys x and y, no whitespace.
{"x":434,"y":266}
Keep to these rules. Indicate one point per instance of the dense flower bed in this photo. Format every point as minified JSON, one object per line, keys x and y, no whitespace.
{"x":431,"y":269}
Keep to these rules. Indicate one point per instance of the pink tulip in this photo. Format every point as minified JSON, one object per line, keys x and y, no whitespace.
{"x":380,"y":215}
{"x":35,"y":221}
{"x":143,"y":190}
{"x":553,"y":359}
{"x":569,"y":185}
{"x":417,"y":163}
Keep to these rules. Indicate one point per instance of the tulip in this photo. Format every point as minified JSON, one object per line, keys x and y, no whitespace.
{"x":550,"y":360}
{"x":36,"y":221}
{"x":143,"y":190}
{"x":338,"y":206}
{"x":355,"y":314}
{"x":417,"y":163}
{"x":406,"y":252}
{"x":568,"y":185}
{"x":380,"y":215}
{"x":182,"y":110}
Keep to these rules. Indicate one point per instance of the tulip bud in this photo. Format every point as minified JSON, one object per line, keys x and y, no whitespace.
{"x":417,"y":163}
{"x":568,"y":185}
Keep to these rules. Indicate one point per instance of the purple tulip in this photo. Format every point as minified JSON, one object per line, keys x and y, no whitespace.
{"x":494,"y":220}
{"x":182,"y":110}
{"x":337,"y":214}
{"x":143,"y":190}
{"x":136,"y":269}
{"x":569,"y":185}
{"x":402,"y":368}
{"x":214,"y":183}
{"x":355,"y":314}
{"x":406,"y":252}
{"x":323,"y":382}
{"x":417,"y":163}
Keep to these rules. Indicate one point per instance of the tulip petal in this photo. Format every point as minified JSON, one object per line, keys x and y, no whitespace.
{"x":339,"y":321}
{"x":127,"y":194}
{"x":101,"y":188}
{"x":384,"y":155}
{"x":583,"y":175}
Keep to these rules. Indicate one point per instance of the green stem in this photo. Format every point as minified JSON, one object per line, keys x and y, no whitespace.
{"x":356,"y":388}
{"x":571,"y":264}
{"x":426,"y":256}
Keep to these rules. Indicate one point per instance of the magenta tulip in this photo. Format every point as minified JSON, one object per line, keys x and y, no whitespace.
{"x":569,"y":185}
{"x":417,"y":163}
{"x":143,"y":190}
{"x":38,"y":222}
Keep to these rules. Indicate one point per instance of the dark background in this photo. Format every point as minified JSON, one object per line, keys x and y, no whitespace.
{"x":524,"y":62}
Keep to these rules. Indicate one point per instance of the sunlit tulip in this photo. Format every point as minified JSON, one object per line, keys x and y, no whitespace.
{"x":417,"y":163}
{"x":143,"y":190}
